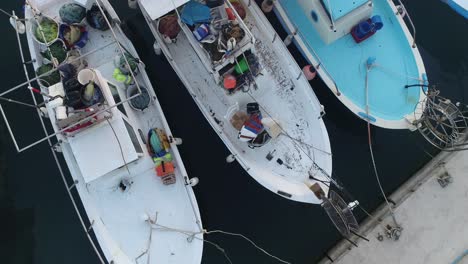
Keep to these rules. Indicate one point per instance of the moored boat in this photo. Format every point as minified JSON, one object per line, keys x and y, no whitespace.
{"x":250,"y":89}
{"x":113,"y":135}
{"x":364,"y":53}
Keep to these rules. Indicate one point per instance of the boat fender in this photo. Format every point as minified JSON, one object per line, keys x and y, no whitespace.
{"x":194,"y":181}
{"x":17,"y":25}
{"x":230,"y":158}
{"x":132,"y":4}
{"x":229,"y":82}
{"x":309,"y":72}
{"x":157,"y":48}
{"x":267,"y":6}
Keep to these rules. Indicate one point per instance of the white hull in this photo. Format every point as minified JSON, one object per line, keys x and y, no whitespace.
{"x":116,"y":215}
{"x":283,"y":94}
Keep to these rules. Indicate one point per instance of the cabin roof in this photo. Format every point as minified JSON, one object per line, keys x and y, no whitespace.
{"x":340,"y":8}
{"x":158,"y":8}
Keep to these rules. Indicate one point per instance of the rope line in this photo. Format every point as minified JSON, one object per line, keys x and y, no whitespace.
{"x":392,"y":213}
{"x":191,"y":234}
{"x":6,"y":13}
{"x":251,"y":242}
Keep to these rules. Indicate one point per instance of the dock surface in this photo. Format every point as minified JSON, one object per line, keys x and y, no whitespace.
{"x":434,"y":220}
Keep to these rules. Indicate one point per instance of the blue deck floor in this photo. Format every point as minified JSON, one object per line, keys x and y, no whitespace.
{"x":345,"y":60}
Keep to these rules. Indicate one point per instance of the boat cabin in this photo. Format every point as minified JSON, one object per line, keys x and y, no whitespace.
{"x":334,"y":19}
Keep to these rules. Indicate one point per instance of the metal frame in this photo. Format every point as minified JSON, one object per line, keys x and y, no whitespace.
{"x":30,"y":80}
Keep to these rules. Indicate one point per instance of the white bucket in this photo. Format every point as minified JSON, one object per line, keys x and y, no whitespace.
{"x":85,"y":76}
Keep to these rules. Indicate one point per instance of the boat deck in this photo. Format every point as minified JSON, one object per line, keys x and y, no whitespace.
{"x":290,"y":102}
{"x":117,"y":215}
{"x":345,"y":61}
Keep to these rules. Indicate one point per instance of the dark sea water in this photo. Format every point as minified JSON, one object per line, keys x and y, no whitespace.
{"x":40,"y":226}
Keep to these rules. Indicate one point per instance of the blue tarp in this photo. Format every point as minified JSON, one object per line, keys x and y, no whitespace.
{"x":195,"y":13}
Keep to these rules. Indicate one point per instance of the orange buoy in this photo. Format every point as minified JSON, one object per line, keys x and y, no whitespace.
{"x":309,"y":72}
{"x":267,"y":6}
{"x":229,"y":82}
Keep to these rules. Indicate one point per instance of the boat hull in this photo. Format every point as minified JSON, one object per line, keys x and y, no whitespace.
{"x":345,"y":75}
{"x":215,"y":105}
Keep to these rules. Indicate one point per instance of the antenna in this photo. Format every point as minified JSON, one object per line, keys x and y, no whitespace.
{"x":442,"y":123}
{"x":341,"y":214}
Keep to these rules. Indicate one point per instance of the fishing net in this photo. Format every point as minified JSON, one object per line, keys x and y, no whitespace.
{"x":46,"y":26}
{"x":96,"y":19}
{"x":72,"y":13}
{"x":140,"y":102}
{"x":49,"y":79}
{"x":132,"y":61}
{"x":168,"y":26}
{"x":56,"y":50}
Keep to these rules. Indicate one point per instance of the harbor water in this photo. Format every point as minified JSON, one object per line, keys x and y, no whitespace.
{"x":40,"y":225}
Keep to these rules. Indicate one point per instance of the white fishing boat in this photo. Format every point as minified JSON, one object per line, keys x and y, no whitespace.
{"x":120,"y":152}
{"x":250,"y":90}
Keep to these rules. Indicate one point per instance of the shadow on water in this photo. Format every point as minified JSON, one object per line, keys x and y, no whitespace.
{"x":40,"y":225}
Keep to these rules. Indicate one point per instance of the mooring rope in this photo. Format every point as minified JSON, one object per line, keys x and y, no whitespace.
{"x":369,"y":66}
{"x":191,"y":234}
{"x":6,"y":13}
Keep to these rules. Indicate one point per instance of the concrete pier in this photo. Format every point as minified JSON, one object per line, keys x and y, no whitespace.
{"x":434,"y":220}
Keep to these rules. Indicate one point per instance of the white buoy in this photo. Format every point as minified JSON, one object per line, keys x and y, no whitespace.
{"x":44,"y":112}
{"x":309,"y":72}
{"x":267,"y":6}
{"x":231,"y":158}
{"x":157,"y":48}
{"x":133,"y":4}
{"x":194,"y":181}
{"x":287,"y":41}
{"x":17,"y":25}
{"x":177,"y":141}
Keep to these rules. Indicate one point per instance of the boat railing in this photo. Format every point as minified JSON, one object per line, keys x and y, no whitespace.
{"x":320,"y":65}
{"x":88,"y":229}
{"x":401,"y":10}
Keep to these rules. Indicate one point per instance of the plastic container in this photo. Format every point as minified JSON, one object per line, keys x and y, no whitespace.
{"x":45,"y":51}
{"x":35,"y":29}
{"x":377,"y":21}
{"x":82,"y":40}
{"x":85,"y":76}
{"x":140,"y":102}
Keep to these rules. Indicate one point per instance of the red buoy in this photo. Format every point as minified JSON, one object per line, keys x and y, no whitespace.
{"x":230,"y":82}
{"x":309,"y":72}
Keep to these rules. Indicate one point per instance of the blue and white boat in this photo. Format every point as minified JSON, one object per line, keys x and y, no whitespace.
{"x":460,"y":6}
{"x":364,"y":53}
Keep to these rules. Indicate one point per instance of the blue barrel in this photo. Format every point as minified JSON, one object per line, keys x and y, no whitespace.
{"x":363,"y":29}
{"x":377,"y":21}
